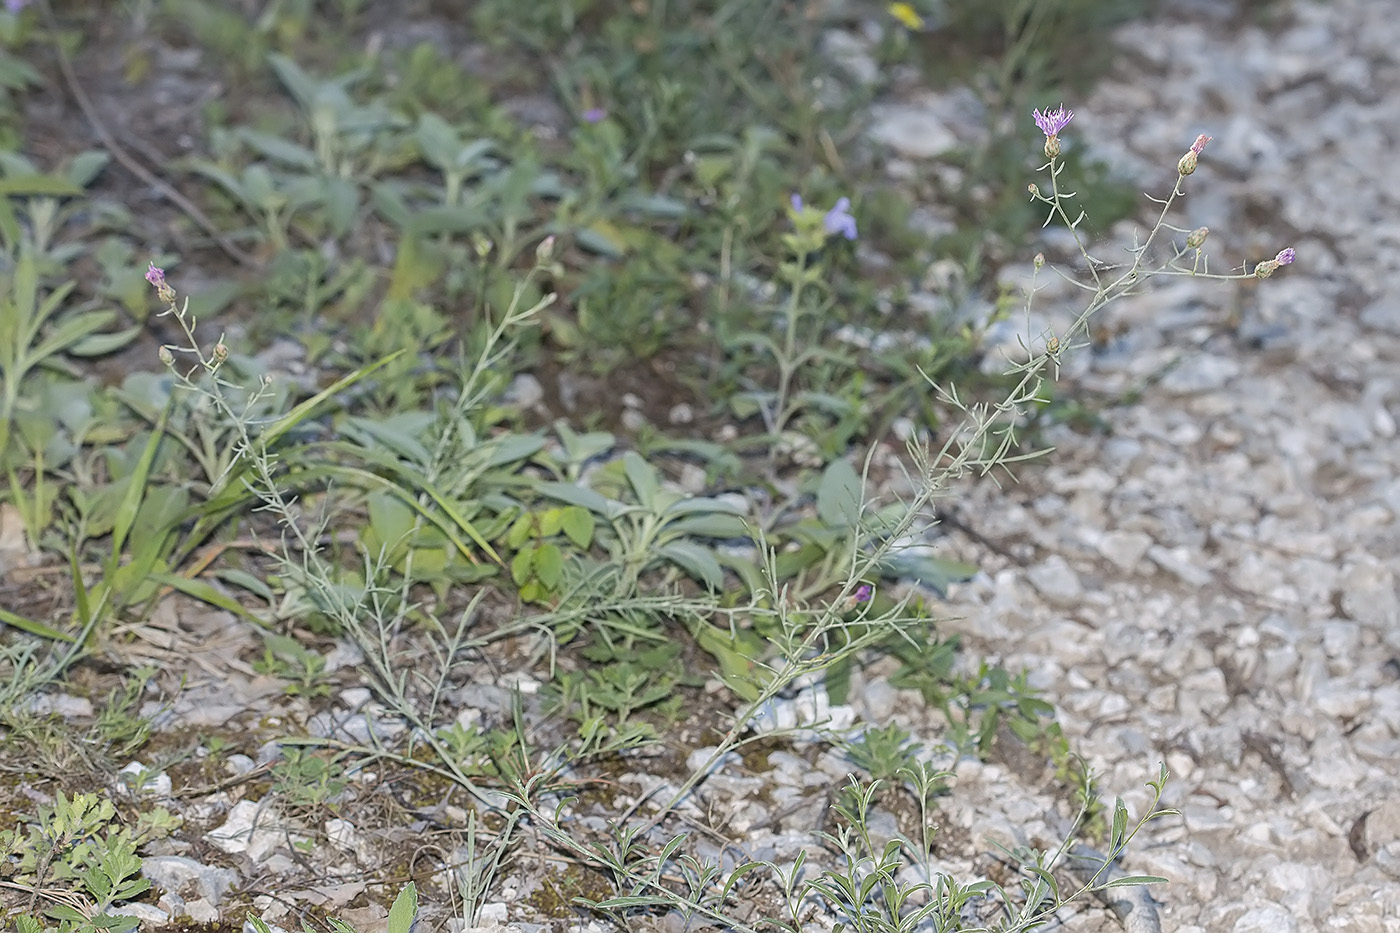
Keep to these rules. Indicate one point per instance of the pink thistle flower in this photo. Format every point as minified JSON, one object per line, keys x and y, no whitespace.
{"x":156,"y":276}
{"x":1052,"y":121}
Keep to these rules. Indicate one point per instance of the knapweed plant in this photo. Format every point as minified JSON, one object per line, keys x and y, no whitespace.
{"x":626,"y":569}
{"x":411,"y":509}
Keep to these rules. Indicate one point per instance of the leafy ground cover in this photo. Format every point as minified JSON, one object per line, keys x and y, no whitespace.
{"x":421,"y":416}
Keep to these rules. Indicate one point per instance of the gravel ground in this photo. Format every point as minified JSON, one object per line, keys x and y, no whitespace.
{"x":1211,"y":583}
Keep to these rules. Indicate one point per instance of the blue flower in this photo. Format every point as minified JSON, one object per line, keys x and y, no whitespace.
{"x":839,"y":221}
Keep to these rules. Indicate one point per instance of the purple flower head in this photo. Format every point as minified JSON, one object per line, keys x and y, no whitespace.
{"x":156,"y":276}
{"x":1052,"y":121}
{"x":864,"y":592}
{"x":1286,"y":256}
{"x":796,"y":202}
{"x":839,"y":221}
{"x":14,"y":6}
{"x":594,"y":115}
{"x":1200,"y":143}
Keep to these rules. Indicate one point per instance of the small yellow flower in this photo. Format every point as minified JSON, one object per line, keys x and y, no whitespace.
{"x":908,"y":17}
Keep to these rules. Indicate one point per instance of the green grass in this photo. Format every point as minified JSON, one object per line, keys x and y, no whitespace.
{"x":389,"y":212}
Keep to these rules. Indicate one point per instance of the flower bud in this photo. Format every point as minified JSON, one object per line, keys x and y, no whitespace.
{"x":1039,"y":260}
{"x":1033,"y":189}
{"x":545,"y":251}
{"x":1265,"y":268}
{"x":165,"y":356}
{"x":220,"y":352}
{"x":1187,"y":165}
{"x":1196,"y":237}
{"x":1052,"y":146}
{"x":1286,"y":256}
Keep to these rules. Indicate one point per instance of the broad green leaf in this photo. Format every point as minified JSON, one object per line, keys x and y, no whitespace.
{"x":711,"y":526}
{"x":522,"y":564}
{"x":437,"y":141}
{"x":581,"y":447}
{"x":39,"y":186}
{"x":578,"y":525}
{"x":86,"y":166}
{"x":839,"y":495}
{"x":550,"y":521}
{"x":341,"y":199}
{"x":450,"y":218}
{"x":297,"y":81}
{"x":102,"y":344}
{"x":71,"y":331}
{"x":405,"y":909}
{"x":642,"y":475}
{"x":279,"y":149}
{"x":933,"y":572}
{"x":602,"y":238}
{"x":389,"y":201}
{"x":260,"y":187}
{"x":705,"y":505}
{"x":549,"y":565}
{"x":577,"y":495}
{"x":654,"y":205}
{"x":696,"y":560}
{"x":513,"y":448}
{"x":399,"y":434}
{"x":390,"y":518}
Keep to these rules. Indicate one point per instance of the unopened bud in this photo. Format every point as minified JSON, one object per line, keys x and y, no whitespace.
{"x":165,"y":356}
{"x":1187,"y":165}
{"x":481,"y":245}
{"x":1269,"y":266}
{"x":1052,"y":146}
{"x":220,"y":352}
{"x":1039,"y":260}
{"x":545,"y":251}
{"x":1196,"y":237}
{"x":1034,"y":189}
